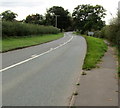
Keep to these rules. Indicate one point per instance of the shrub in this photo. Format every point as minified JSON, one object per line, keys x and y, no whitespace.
{"x":11,"y":29}
{"x":112,"y":32}
{"x":97,"y":34}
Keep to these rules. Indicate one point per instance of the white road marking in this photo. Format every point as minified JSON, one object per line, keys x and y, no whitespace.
{"x":35,"y":56}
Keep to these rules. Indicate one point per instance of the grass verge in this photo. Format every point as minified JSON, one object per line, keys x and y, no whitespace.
{"x":12,"y":43}
{"x":95,"y":50}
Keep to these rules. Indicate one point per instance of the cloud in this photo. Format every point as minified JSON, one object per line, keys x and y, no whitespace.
{"x":21,"y":3}
{"x":25,"y":7}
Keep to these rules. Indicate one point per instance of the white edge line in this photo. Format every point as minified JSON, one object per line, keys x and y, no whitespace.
{"x":51,"y":49}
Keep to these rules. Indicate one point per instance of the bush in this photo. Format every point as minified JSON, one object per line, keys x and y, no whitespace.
{"x":112,"y":32}
{"x":102,"y":33}
{"x":11,"y":29}
{"x":97,"y":34}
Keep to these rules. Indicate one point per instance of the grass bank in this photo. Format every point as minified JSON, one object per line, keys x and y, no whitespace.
{"x":95,"y":50}
{"x":12,"y":43}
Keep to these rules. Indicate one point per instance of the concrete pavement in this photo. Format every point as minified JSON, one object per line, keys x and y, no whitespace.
{"x":100,"y":86}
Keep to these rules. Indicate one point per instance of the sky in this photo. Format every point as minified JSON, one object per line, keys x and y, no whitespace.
{"x":27,"y":7}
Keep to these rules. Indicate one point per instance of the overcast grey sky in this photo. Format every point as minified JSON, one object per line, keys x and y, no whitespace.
{"x":26,"y":7}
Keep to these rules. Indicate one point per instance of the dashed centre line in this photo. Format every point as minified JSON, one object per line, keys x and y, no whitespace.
{"x":35,"y":56}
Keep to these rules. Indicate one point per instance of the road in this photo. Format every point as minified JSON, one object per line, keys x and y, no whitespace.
{"x":43,"y":75}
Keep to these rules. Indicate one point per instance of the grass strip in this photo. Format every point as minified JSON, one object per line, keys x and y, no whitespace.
{"x":95,"y":50}
{"x":12,"y":43}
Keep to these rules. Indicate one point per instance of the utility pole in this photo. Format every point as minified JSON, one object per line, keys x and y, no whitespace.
{"x":56,"y":18}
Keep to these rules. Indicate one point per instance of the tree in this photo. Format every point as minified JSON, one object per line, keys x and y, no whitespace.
{"x":88,"y":17}
{"x":62,"y":16}
{"x":8,"y":15}
{"x":113,"y":32}
{"x":35,"y":19}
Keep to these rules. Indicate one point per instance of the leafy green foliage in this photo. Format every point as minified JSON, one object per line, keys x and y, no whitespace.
{"x":95,"y":50}
{"x":63,"y":17}
{"x":8,"y":15}
{"x":35,"y":19}
{"x":88,"y":17}
{"x":12,"y":29}
{"x":112,"y":31}
{"x":101,"y":33}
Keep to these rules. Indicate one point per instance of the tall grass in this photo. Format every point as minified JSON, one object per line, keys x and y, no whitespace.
{"x":11,"y":29}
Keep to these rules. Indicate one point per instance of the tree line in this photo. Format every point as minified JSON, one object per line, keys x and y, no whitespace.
{"x":83,"y":19}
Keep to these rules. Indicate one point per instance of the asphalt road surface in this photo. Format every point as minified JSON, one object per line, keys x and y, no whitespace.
{"x":43,"y":75}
